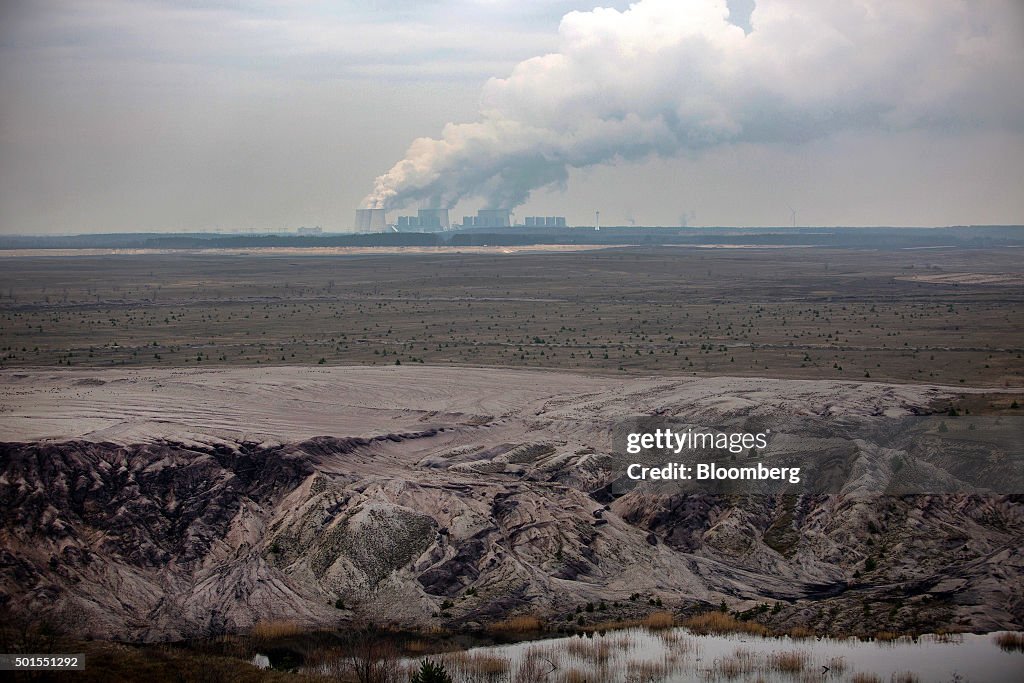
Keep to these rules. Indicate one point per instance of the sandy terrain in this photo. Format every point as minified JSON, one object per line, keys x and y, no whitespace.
{"x":1005,"y":279}
{"x":283,"y":404}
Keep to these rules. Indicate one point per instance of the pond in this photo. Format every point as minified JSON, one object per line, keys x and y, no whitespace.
{"x":676,"y":655}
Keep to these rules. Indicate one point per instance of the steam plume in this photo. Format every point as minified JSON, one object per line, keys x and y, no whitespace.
{"x":670,"y":77}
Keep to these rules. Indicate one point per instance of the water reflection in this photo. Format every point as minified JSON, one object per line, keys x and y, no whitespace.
{"x":676,"y":655}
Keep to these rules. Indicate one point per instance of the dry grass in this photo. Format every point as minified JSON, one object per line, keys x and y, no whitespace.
{"x":800,"y":633}
{"x":417,"y":647}
{"x":574,"y":676}
{"x":740,"y":663}
{"x":1012,"y":642}
{"x":523,"y":623}
{"x":865,"y":678}
{"x":531,"y":670}
{"x":475,"y":666}
{"x":646,"y":670}
{"x":435,"y":630}
{"x":721,"y":623}
{"x":579,"y":647}
{"x":622,"y":641}
{"x":905,"y":677}
{"x":788,"y":662}
{"x":273,"y":630}
{"x":597,"y":651}
{"x":659,"y":620}
{"x":543,"y":650}
{"x":837,"y":665}
{"x":886,"y":636}
{"x":677,"y":641}
{"x":539,"y":662}
{"x":486,"y":664}
{"x":948,"y":636}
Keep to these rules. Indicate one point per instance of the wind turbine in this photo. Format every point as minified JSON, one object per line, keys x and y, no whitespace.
{"x":792,"y":212}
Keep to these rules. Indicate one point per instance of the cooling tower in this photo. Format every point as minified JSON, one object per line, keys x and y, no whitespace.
{"x":371,"y":220}
{"x":433,"y":219}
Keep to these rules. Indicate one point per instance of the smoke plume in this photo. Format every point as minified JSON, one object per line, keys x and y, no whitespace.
{"x":671,"y":77}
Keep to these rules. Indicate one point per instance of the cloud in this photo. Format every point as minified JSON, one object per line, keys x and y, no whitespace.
{"x":279,"y":40}
{"x":676,"y":77}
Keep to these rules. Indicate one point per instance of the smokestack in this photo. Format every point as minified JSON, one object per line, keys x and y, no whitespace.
{"x":371,"y":220}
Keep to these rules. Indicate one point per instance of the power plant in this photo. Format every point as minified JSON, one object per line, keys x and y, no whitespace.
{"x":371,"y":220}
{"x":544,"y":221}
{"x":437,"y":220}
{"x":488,"y":218}
{"x":425,"y":220}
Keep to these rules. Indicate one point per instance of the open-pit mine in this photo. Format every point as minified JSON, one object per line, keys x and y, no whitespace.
{"x":169,"y":503}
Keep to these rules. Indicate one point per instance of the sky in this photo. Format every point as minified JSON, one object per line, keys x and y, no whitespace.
{"x":221,"y":115}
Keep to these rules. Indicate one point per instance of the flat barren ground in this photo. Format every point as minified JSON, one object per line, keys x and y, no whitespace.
{"x":949,"y":316}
